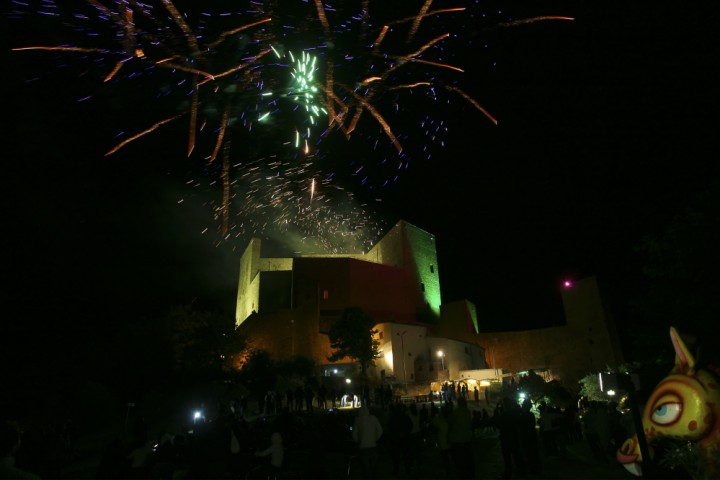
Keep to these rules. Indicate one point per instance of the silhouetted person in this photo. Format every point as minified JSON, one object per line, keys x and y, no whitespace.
{"x":10,"y":443}
{"x":439,"y":426}
{"x":424,"y":414}
{"x":366,"y":432}
{"x":529,"y":438}
{"x":399,"y":427}
{"x":507,"y":421}
{"x":550,"y":422}
{"x":114,"y":462}
{"x":415,"y":439}
{"x":309,"y":396}
{"x":460,"y":437}
{"x":276,"y":452}
{"x":299,"y":397}
{"x":322,"y":397}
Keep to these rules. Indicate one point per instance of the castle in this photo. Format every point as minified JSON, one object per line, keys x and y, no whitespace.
{"x":287,"y":305}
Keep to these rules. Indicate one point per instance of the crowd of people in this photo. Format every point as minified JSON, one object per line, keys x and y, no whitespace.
{"x":307,"y":435}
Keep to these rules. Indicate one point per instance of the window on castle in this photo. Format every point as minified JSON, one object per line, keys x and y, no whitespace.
{"x":381,"y":335}
{"x":422,"y":287}
{"x":432,"y":268}
{"x":326,"y":294}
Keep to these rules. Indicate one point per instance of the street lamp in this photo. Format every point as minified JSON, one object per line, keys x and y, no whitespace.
{"x":493,"y":345}
{"x":402,"y":347}
{"x":442,"y":358}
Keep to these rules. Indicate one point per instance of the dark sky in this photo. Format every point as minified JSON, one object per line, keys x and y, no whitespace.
{"x":607,"y":125}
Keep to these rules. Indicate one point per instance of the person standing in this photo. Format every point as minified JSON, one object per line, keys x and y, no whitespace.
{"x":322,"y":397}
{"x":460,"y":437}
{"x":439,"y":427}
{"x":366,"y":433}
{"x":10,"y":442}
{"x":507,"y":422}
{"x":529,"y":441}
{"x":399,"y":427}
{"x":276,"y":452}
{"x":415,"y":438}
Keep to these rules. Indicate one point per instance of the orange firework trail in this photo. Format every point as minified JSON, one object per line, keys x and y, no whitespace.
{"x":525,"y":21}
{"x":385,"y":76}
{"x":141,"y":134}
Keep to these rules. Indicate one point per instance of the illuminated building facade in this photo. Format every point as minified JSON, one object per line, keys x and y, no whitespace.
{"x":287,"y":305}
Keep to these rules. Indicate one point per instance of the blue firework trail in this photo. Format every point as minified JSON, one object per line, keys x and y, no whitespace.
{"x":291,"y":108}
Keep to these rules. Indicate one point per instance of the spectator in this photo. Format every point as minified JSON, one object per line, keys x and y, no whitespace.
{"x":529,"y":441}
{"x":415,"y":438}
{"x":399,"y":427}
{"x":460,"y":437}
{"x":550,"y":423}
{"x":439,"y":427}
{"x":507,"y":421}
{"x":276,"y":452}
{"x":10,"y":443}
{"x":366,"y":432}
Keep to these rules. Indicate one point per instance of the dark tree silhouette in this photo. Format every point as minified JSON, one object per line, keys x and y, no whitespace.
{"x":681,"y":288}
{"x":259,"y":373}
{"x":353,"y":335}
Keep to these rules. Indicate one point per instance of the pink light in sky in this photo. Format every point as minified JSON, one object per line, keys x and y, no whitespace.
{"x":567,"y":284}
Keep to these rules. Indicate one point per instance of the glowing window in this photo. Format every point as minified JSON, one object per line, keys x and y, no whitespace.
{"x":326,"y":294}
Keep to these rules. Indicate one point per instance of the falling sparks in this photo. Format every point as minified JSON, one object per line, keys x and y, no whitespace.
{"x":281,"y":84}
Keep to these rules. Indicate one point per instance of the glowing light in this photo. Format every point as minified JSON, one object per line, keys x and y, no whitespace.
{"x":233,"y":77}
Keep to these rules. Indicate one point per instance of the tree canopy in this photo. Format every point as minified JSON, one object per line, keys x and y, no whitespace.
{"x":353,"y":335}
{"x":681,"y":286}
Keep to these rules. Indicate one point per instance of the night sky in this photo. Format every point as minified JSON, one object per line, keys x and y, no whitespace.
{"x":607,"y":127}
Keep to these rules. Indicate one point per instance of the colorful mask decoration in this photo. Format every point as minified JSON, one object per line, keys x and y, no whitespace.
{"x":684,"y":406}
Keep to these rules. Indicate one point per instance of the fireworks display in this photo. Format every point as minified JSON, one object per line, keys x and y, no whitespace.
{"x":290,"y":108}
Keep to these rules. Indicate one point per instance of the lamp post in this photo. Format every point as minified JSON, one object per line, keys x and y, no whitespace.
{"x":402,"y":347}
{"x":492,"y":346}
{"x":442,"y":358}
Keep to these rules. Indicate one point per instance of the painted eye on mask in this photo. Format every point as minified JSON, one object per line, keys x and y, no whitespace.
{"x":666,"y":413}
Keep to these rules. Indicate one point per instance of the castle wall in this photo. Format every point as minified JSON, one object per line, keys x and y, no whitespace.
{"x":459,"y":321}
{"x":590,"y":320}
{"x":421,"y":267}
{"x":397,"y":283}
{"x":248,"y":296}
{"x":285,"y":334}
{"x":249,"y":281}
{"x":389,"y":250}
{"x":587,"y":344}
